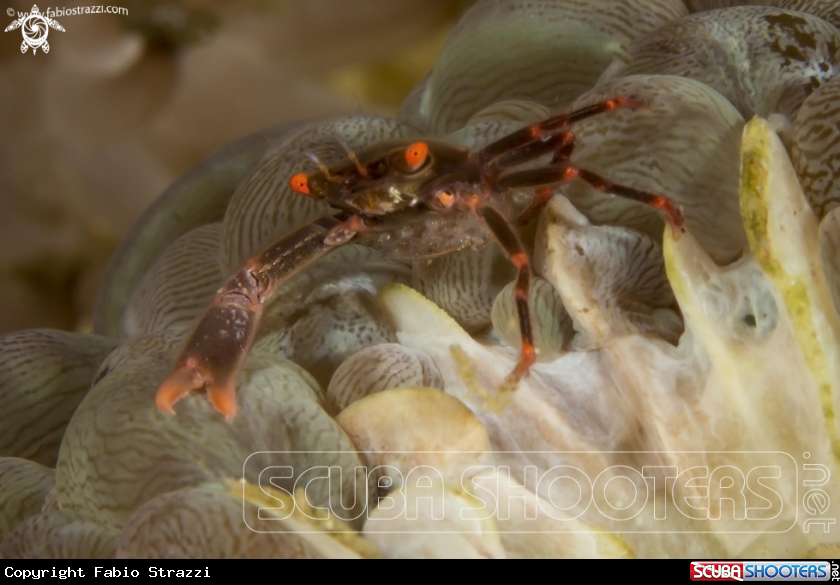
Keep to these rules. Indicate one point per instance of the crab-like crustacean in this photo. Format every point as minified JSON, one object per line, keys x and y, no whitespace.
{"x":414,"y":199}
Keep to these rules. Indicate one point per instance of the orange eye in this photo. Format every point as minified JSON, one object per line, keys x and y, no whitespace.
{"x":300,"y":183}
{"x":416,"y":154}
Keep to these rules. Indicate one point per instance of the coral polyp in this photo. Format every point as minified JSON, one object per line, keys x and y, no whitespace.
{"x":684,"y":392}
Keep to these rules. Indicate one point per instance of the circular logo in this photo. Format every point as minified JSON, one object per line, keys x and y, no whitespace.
{"x":35,"y":30}
{"x":10,"y":11}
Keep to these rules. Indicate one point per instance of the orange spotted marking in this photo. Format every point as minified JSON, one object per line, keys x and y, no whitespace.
{"x":416,"y":154}
{"x":661,"y":202}
{"x":446,"y":198}
{"x":300,"y":183}
{"x":672,"y":211}
{"x":519,"y":259}
{"x":536,"y":130}
{"x":529,"y":353}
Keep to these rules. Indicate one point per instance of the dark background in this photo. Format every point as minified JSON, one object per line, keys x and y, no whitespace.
{"x":92,"y":132}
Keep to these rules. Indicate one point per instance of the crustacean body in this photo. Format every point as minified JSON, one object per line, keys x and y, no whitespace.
{"x":414,"y":199}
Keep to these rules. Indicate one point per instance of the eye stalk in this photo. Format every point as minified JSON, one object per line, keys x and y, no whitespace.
{"x":416,"y":155}
{"x":300,"y":183}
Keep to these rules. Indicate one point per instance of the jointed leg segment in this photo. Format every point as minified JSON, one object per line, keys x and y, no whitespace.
{"x":565,"y":172}
{"x":510,"y":243}
{"x":223,"y":336}
{"x":672,"y":212}
{"x":220,"y":342}
{"x":547,"y":130}
{"x":554,"y":136}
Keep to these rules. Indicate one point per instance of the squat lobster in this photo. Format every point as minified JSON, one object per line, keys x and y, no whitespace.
{"x":410,"y":199}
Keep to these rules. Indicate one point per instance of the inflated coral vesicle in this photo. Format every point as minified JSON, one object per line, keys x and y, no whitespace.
{"x":693,"y":373}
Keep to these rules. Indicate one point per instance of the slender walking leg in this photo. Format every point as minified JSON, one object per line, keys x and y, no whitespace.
{"x":547,"y":130}
{"x":564,"y":172}
{"x":512,"y":246}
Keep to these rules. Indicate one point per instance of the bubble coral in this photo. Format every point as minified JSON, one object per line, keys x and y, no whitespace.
{"x":719,"y":350}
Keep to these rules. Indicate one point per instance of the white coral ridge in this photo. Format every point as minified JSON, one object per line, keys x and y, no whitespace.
{"x":684,"y":398}
{"x":748,"y":394}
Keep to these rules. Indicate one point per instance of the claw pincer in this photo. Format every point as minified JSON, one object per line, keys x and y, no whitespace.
{"x":217,"y":347}
{"x":221,"y":340}
{"x":381,"y":191}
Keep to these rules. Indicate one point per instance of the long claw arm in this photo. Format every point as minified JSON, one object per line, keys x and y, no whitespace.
{"x":223,"y":336}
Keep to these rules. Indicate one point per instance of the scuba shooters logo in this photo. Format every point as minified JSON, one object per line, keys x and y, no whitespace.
{"x":762,"y":571}
{"x":35,"y":27}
